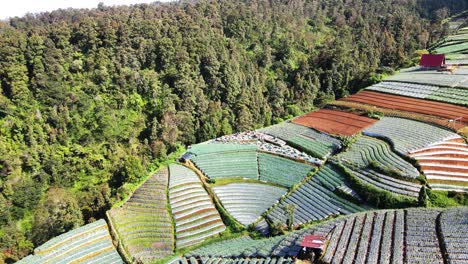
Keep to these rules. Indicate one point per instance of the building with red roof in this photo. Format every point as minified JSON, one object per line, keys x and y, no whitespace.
{"x":432,"y":60}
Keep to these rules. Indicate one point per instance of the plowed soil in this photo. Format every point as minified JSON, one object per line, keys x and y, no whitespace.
{"x":443,"y":160}
{"x":421,"y":106}
{"x":335,"y":122}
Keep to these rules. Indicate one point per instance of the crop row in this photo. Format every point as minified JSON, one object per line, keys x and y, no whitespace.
{"x":384,"y":182}
{"x":143,"y":223}
{"x":264,"y":143}
{"x":419,"y":106}
{"x":228,"y":165}
{"x":247,"y":201}
{"x":89,"y":242}
{"x":312,"y":202}
{"x":409,"y":135}
{"x":195,"y":215}
{"x":280,"y":170}
{"x":454,"y":233}
{"x":444,"y":162}
{"x":387,"y":236}
{"x":451,"y":95}
{"x":310,"y":140}
{"x":368,"y":150}
{"x":422,"y":243}
{"x":218,"y":260}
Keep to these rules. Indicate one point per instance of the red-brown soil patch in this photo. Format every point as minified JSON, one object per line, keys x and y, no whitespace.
{"x":335,"y":122}
{"x":421,"y":106}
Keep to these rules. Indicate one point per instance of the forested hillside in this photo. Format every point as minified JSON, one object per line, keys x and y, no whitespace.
{"x":93,"y":99}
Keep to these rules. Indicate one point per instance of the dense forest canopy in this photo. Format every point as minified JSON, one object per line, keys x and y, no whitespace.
{"x":91,"y":100}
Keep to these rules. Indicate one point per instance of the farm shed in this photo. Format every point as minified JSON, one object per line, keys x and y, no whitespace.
{"x":313,"y":246}
{"x":432,"y":60}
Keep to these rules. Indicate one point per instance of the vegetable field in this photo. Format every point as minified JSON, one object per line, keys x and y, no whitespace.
{"x":367,"y":150}
{"x":90,"y":243}
{"x":219,"y":260}
{"x":384,"y":182}
{"x":432,"y":77}
{"x":452,"y":95}
{"x":454,"y":233}
{"x":444,"y":162}
{"x":318,"y":144}
{"x":335,"y":122}
{"x":228,"y":164}
{"x":387,"y":236}
{"x":407,"y":135}
{"x":438,"y":109}
{"x":247,"y":201}
{"x":316,"y":199}
{"x":194,"y":213}
{"x":280,"y":170}
{"x":143,"y":224}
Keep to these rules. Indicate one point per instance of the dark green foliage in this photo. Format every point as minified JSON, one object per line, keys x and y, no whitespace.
{"x":91,"y":98}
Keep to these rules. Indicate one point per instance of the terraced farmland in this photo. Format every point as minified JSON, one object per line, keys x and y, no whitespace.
{"x":334,"y":122}
{"x":316,"y":200}
{"x":318,"y":144}
{"x":407,"y":135}
{"x":384,"y":182}
{"x":194,"y":213}
{"x":242,"y":164}
{"x":247,"y":201}
{"x":445,"y":162}
{"x":205,"y":148}
{"x":143,"y":224}
{"x":438,"y":109}
{"x":432,"y":77}
{"x":395,"y":236}
{"x":366,"y":150}
{"x":454,"y":234}
{"x":387,"y":236}
{"x":421,"y":233}
{"x":90,"y":243}
{"x":218,"y":260}
{"x":280,"y":170}
{"x":451,"y":95}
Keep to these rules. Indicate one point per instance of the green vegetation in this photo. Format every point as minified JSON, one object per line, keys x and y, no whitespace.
{"x":375,"y":196}
{"x":90,"y":99}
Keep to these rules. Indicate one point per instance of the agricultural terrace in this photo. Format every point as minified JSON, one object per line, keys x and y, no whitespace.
{"x":243,"y":161}
{"x":247,"y":201}
{"x":456,"y":43}
{"x":388,"y":236}
{"x":226,"y":160}
{"x":396,"y":236}
{"x":454,"y":234}
{"x":316,"y":199}
{"x":318,"y":144}
{"x":143,"y":224}
{"x":384,"y":182}
{"x":444,"y":162}
{"x":335,"y":122}
{"x":90,"y":243}
{"x":218,"y":260}
{"x":265,"y":143}
{"x":367,"y":151}
{"x":194,"y":213}
{"x":282,"y":171}
{"x":443,"y":110}
{"x":451,"y":95}
{"x":432,"y":77}
{"x":407,"y":135}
